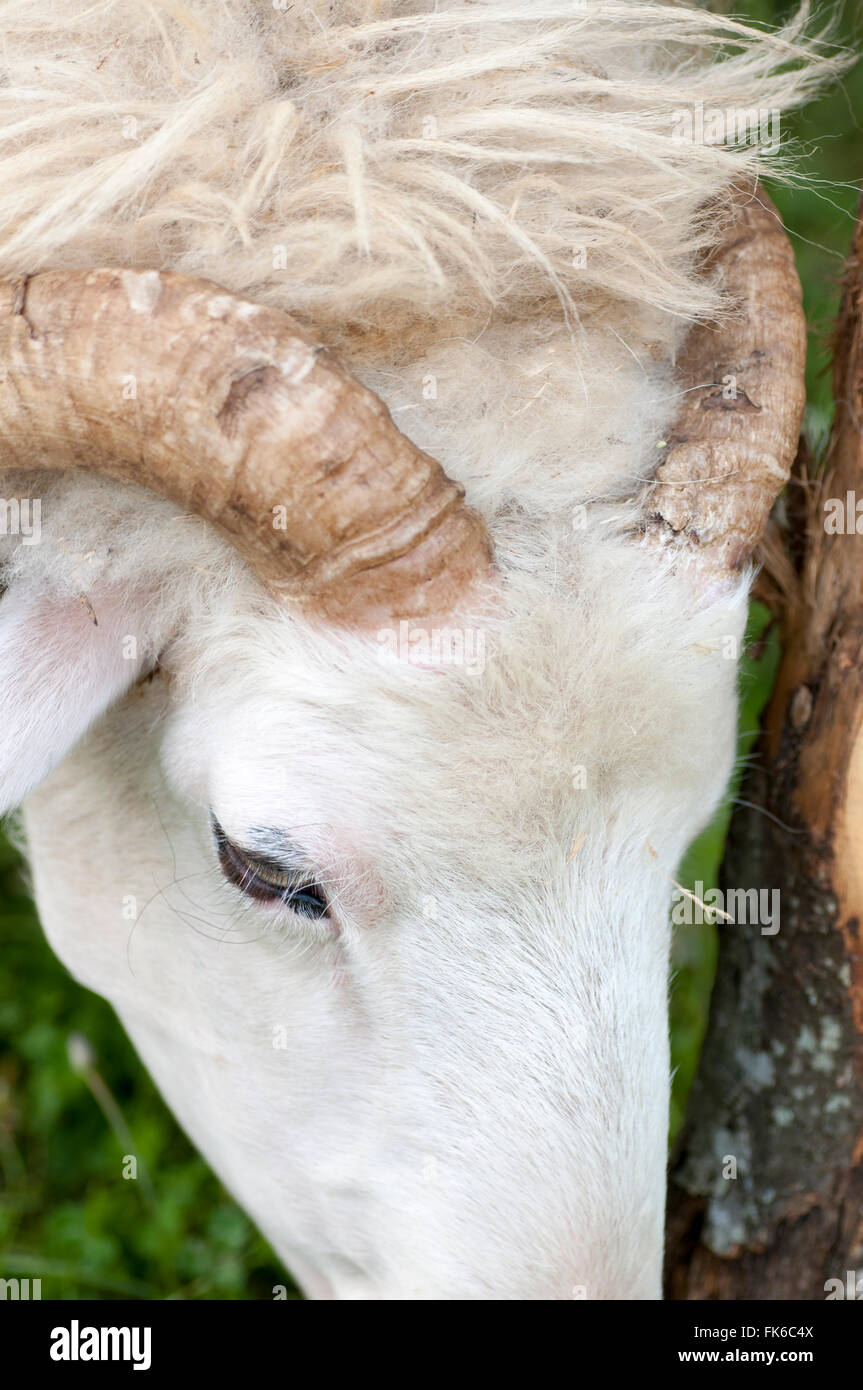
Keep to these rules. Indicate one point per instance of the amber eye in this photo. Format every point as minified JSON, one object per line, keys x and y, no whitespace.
{"x":266,"y":881}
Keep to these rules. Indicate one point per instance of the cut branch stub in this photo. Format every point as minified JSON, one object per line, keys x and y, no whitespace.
{"x":235,"y":412}
{"x":735,"y":438}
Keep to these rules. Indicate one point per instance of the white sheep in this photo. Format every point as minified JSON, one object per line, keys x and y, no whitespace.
{"x":361,"y":804}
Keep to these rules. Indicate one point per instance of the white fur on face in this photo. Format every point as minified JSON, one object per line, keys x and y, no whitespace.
{"x":461,"y":1090}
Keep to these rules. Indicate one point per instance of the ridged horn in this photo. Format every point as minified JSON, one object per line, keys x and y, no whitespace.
{"x":237,"y":413}
{"x":743,"y":393}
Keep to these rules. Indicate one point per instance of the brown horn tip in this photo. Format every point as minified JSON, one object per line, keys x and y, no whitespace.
{"x":235,"y":412}
{"x":736,"y":436}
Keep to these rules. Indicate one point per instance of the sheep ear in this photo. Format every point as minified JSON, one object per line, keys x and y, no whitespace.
{"x":63,"y":661}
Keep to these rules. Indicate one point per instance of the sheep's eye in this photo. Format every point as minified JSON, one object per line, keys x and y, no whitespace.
{"x":267,"y":881}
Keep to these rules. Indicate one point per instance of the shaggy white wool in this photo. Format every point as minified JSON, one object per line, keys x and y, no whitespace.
{"x":412,"y":179}
{"x":439,"y":160}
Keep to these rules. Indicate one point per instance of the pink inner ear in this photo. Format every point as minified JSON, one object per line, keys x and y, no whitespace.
{"x":62,"y":663}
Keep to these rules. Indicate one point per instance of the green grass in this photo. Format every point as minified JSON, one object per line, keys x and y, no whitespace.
{"x":67,"y":1215}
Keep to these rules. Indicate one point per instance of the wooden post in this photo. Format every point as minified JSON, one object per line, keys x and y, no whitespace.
{"x":766,"y":1191}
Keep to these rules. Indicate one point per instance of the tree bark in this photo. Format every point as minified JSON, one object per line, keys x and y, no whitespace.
{"x":779,"y":1095}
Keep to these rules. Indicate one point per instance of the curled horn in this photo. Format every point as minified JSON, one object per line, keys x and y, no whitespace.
{"x":235,"y":412}
{"x":743,"y":391}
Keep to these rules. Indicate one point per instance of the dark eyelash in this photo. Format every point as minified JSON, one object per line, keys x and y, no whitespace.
{"x":265,"y":881}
